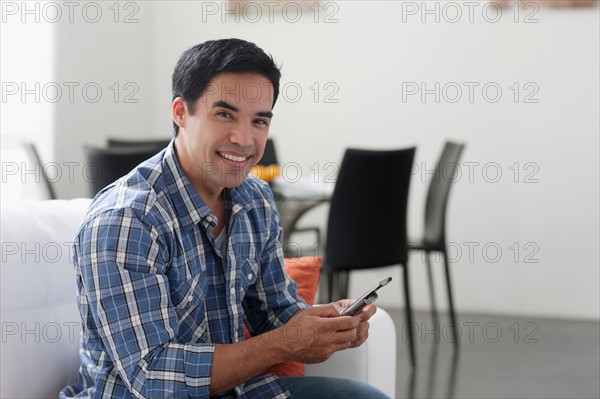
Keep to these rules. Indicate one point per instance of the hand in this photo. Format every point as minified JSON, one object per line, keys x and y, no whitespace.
{"x":365,"y":315}
{"x":313,"y":335}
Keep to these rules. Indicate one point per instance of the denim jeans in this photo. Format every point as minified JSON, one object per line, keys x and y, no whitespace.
{"x":330,"y":388}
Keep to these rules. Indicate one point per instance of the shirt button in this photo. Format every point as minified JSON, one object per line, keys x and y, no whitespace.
{"x":232,"y":291}
{"x":249,"y":276}
{"x":209,"y":219}
{"x":190,"y":298}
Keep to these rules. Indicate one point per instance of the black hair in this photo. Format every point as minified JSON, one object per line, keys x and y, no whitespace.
{"x":198,"y":65}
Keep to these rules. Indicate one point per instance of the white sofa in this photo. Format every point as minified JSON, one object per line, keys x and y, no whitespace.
{"x":40,"y":322}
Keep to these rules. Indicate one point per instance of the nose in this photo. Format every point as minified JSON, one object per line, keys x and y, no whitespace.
{"x":241,"y":134}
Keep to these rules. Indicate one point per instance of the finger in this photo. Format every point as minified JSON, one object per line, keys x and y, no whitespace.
{"x":340,"y":336}
{"x":328,"y":310}
{"x":341,"y":339}
{"x":344,"y":303}
{"x":368,"y":312}
{"x":362,"y":334}
{"x":346,"y":335}
{"x":342,"y":346}
{"x":342,"y":322}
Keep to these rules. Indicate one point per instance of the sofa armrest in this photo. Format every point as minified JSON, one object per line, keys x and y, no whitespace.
{"x":374,"y":362}
{"x":38,"y":306}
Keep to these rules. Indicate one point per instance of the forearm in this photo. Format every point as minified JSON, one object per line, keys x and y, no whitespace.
{"x":234,"y":364}
{"x":318,"y":333}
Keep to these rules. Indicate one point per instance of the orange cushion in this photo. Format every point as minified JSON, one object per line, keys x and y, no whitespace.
{"x":305,"y":272}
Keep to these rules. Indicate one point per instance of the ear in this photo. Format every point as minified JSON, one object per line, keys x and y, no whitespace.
{"x":179,"y":111}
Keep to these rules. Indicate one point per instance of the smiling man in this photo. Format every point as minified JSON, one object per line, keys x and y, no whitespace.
{"x":174,"y":258}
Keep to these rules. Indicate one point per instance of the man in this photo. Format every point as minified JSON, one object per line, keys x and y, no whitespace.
{"x":175,"y":257}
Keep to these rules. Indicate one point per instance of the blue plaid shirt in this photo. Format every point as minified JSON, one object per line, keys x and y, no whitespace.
{"x":156,"y":294}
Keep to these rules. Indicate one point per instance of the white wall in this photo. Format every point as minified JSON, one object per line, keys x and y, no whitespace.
{"x":367,"y":54}
{"x":114,"y":56}
{"x":91,"y":62}
{"x":27,"y":70}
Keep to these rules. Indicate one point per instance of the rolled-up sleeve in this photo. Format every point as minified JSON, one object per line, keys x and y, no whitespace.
{"x":121,"y":263}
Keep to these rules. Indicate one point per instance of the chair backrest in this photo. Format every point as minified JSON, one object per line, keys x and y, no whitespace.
{"x":124,"y":143}
{"x":437,"y":195}
{"x":34,"y":156}
{"x":367,"y":216}
{"x":270,"y":155}
{"x":109,"y":164}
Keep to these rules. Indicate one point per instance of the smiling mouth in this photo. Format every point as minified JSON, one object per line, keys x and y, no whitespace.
{"x":233,"y":158}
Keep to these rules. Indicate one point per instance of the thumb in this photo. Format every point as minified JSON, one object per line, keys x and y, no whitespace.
{"x":328,"y":310}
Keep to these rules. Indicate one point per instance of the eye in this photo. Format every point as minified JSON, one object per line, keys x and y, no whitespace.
{"x":224,"y":114}
{"x":262,"y":122}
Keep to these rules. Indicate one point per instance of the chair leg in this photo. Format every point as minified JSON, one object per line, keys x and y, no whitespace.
{"x":409,"y":318}
{"x":450,"y":300}
{"x":434,"y":313}
{"x":343,"y":284}
{"x":329,"y":275}
{"x":335,"y":280}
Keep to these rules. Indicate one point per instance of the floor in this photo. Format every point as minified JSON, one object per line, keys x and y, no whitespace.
{"x":499,"y":357}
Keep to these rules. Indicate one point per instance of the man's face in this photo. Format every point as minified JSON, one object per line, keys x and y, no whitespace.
{"x":226,"y":135}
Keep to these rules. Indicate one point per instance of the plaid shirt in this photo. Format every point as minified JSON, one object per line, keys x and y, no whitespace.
{"x":156,"y":294}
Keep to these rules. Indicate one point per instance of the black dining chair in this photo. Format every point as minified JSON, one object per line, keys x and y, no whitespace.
{"x":270,"y":155}
{"x":270,"y":158}
{"x":109,"y":164}
{"x":125,"y":143}
{"x":34,"y":157}
{"x":434,"y":237}
{"x":367,"y":226}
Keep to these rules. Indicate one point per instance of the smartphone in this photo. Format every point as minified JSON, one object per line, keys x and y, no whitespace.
{"x":365,"y":299}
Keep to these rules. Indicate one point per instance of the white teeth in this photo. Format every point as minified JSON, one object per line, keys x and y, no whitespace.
{"x":233,"y":157}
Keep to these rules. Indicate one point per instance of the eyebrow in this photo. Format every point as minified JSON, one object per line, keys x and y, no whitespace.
{"x":224,"y":104}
